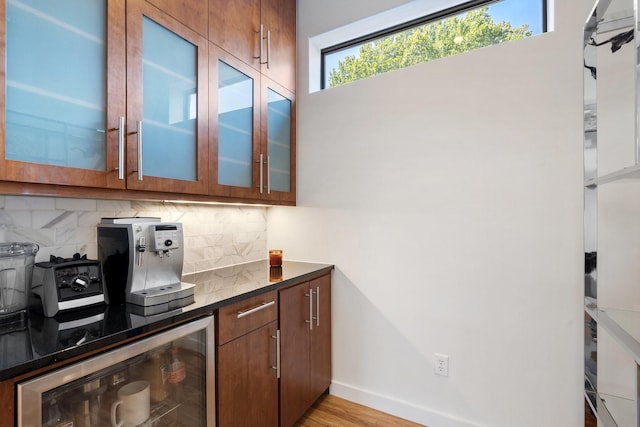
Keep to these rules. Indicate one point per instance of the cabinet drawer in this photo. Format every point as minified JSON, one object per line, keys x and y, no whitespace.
{"x":244,"y":316}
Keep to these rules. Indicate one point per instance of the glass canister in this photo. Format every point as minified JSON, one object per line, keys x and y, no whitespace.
{"x":16,"y":269}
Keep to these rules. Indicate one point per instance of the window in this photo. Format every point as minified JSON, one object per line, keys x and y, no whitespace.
{"x":461,"y":28}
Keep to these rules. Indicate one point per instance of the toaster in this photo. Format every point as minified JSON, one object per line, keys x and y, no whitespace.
{"x":67,"y":283}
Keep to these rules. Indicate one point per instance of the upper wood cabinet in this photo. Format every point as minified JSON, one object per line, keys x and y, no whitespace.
{"x":279,"y":29}
{"x":62,"y":92}
{"x":234,"y":25}
{"x":167,"y":103}
{"x":88,"y":103}
{"x":132,"y":95}
{"x":252,"y":128}
{"x":192,"y":13}
{"x":234,"y":99}
{"x":278,"y":145}
{"x":262,"y":33}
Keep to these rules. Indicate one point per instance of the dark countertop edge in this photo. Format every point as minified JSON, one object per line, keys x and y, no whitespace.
{"x":321,"y":271}
{"x":160,"y":324}
{"x":101,"y":343}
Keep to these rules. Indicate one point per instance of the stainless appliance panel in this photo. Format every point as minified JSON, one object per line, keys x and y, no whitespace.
{"x":30,"y":409}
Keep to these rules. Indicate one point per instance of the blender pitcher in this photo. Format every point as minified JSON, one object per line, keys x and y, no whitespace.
{"x":16,"y":269}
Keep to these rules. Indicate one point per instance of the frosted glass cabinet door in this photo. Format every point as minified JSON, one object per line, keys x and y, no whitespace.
{"x":61,"y":112}
{"x":169,"y":103}
{"x":234,"y":126}
{"x":279,"y":114}
{"x":279,"y":141}
{"x":167,"y":96}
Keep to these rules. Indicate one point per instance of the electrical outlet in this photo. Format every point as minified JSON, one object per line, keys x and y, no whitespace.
{"x":441,"y":366}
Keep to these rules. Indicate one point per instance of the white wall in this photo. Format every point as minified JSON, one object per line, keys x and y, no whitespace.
{"x":449,"y":197}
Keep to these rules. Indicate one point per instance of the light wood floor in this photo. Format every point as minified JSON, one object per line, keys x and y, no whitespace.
{"x":331,"y":411}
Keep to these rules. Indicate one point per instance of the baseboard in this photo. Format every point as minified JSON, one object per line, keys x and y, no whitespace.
{"x":399,"y":408}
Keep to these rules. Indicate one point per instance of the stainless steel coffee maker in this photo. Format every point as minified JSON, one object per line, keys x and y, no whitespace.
{"x":142,"y":262}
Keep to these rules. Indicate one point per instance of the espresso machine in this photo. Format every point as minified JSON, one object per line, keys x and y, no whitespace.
{"x":142,"y":262}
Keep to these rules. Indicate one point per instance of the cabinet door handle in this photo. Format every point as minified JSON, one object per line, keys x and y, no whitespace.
{"x":139,"y":123}
{"x":262,"y":38}
{"x":255,"y":309}
{"x":121,"y":147}
{"x":268,"y":174}
{"x":268,"y":48}
{"x":261,"y":171}
{"x":261,"y":35}
{"x":318,"y":306}
{"x":310,"y":321}
{"x":278,"y":354}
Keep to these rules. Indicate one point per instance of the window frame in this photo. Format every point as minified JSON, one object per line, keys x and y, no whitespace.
{"x":404,"y":26}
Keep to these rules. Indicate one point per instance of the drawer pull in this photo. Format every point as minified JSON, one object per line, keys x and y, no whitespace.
{"x":255,"y":309}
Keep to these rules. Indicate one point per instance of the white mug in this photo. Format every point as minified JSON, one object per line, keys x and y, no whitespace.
{"x":134,"y":401}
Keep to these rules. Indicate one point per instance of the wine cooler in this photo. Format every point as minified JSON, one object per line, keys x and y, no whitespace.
{"x":166,"y":379}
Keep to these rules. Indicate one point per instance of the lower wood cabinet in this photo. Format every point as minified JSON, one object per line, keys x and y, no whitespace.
{"x":273,"y":357}
{"x":247,"y":383}
{"x":293,"y":323}
{"x":305,"y":330}
{"x":246,"y":363}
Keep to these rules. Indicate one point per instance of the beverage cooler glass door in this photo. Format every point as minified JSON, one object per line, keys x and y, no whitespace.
{"x":163,"y":380}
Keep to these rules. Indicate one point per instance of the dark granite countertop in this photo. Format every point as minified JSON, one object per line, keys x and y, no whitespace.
{"x":43,"y":341}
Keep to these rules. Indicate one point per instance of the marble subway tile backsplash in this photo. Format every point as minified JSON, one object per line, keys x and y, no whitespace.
{"x":215,"y":235}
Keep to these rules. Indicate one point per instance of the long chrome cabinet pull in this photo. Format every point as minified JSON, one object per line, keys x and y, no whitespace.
{"x":268,"y":48}
{"x":318,"y":306}
{"x":140,"y":150}
{"x":268,"y":174}
{"x":277,"y":367}
{"x":121,"y":131}
{"x":261,"y":170}
{"x":310,"y":321}
{"x":255,"y":309}
{"x":311,"y":308}
{"x":261,"y":35}
{"x":262,"y":38}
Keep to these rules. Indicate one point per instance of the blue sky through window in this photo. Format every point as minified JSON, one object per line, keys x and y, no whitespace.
{"x":519,"y":12}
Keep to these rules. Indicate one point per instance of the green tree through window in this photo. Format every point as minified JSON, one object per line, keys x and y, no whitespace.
{"x":462,"y":33}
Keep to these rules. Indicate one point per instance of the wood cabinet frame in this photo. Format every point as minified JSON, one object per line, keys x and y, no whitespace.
{"x":124,"y":84}
{"x":217,"y":54}
{"x":278,"y":196}
{"x":136,"y":10}
{"x":19,"y":171}
{"x":305,"y":348}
